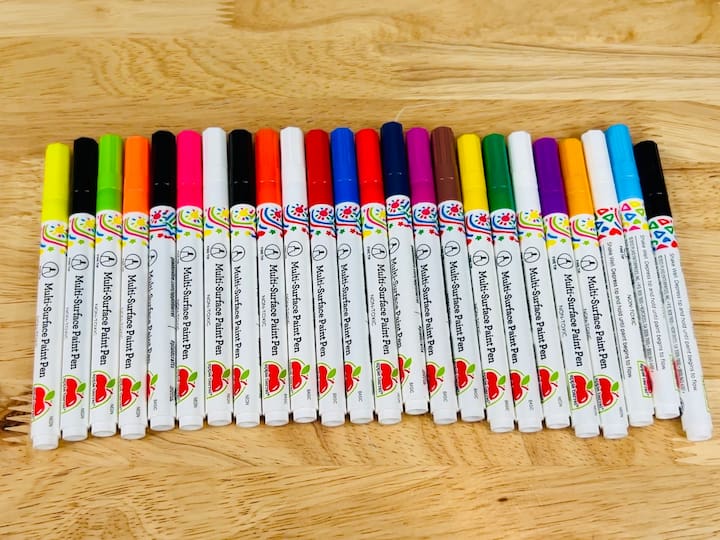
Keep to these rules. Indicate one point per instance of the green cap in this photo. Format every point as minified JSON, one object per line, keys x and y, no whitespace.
{"x":497,"y":172}
{"x":109,"y":184}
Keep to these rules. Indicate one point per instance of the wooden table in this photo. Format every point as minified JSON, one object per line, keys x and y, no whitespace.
{"x":90,"y":67}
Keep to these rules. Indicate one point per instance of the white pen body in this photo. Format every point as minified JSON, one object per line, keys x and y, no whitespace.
{"x":190,"y":397}
{"x":77,"y":334}
{"x":247,"y":404}
{"x":162,"y":319}
{"x":46,"y":398}
{"x":105,"y":387}
{"x":463,"y":329}
{"x":408,"y":318}
{"x":328,"y":328}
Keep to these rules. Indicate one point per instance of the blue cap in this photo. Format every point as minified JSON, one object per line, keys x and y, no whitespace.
{"x":394,"y":160}
{"x":344,"y":166}
{"x":620,"y":149}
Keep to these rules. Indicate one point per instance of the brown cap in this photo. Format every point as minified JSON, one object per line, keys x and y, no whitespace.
{"x":447,"y":184}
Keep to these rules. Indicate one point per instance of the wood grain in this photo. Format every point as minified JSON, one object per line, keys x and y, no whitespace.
{"x":88,"y":67}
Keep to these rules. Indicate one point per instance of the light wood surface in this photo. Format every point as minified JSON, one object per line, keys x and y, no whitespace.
{"x":86,"y":67}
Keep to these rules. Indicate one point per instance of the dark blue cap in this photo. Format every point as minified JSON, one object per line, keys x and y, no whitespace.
{"x":394,"y":160}
{"x":344,"y":166}
{"x":620,"y":148}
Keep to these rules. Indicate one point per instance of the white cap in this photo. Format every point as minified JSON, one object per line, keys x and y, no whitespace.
{"x":333,"y":419}
{"x":444,"y":417}
{"x":532,"y":426}
{"x":467,"y":417}
{"x":215,"y":175}
{"x":162,"y":423}
{"x":190,"y":422}
{"x":615,"y":431}
{"x":247,"y":420}
{"x":505,"y":425}
{"x":276,"y":418}
{"x":388,"y":417}
{"x":585,"y":431}
{"x":697,"y":422}
{"x":304,"y":416}
{"x":45,"y":441}
{"x":416,"y":406}
{"x":522,"y":170}
{"x":75,"y":433}
{"x":640,"y":420}
{"x":132,"y":431}
{"x":557,"y":422}
{"x":104,"y":429}
{"x":219,"y":418}
{"x":292,"y":159}
{"x":599,"y":169}
{"x":361,"y":416}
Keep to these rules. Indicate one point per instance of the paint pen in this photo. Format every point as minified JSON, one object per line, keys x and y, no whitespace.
{"x":218,"y":310}
{"x":620,"y":286}
{"x":408,"y":320}
{"x":132,"y":418}
{"x":326,"y":300}
{"x":106,"y":289}
{"x":519,"y":339}
{"x":488,"y":305}
{"x":378,"y":280}
{"x":353,"y":311}
{"x":573,"y":335}
{"x":161,"y":377}
{"x":272,"y":315}
{"x":696,"y":419}
{"x":189,"y":282}
{"x":659,"y":380}
{"x":438,"y":350}
{"x":247,"y":404}
{"x":77,"y":331}
{"x":607,"y":387}
{"x":45,"y":422}
{"x":458,"y":287}
{"x":538,"y":283}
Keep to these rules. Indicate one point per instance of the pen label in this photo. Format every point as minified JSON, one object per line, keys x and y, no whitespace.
{"x":608,"y":223}
{"x":162,"y":223}
{"x":503,"y":229}
{"x":398,"y":212}
{"x":530,"y":225}
{"x":347,"y":221}
{"x":243,"y":221}
{"x":425,"y":222}
{"x":295,"y":218}
{"x":451,"y":217}
{"x":189,"y":223}
{"x":662,"y":233}
{"x":632,"y":212}
{"x":53,"y":238}
{"x":82,"y":231}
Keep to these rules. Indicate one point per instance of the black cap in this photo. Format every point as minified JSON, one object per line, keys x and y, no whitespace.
{"x":241,"y":167}
{"x":652,"y":179}
{"x":85,"y":173}
{"x":394,"y":160}
{"x":164,"y":169}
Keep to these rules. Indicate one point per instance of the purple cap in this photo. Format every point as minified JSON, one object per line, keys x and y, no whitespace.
{"x":422,"y":184}
{"x":550,"y":182}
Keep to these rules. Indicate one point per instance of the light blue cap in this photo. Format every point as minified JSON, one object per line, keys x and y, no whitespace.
{"x":622,"y":159}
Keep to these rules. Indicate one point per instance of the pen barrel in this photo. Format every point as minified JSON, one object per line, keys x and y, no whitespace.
{"x":46,"y":395}
{"x":408,"y":320}
{"x":499,"y":406}
{"x":463,"y":331}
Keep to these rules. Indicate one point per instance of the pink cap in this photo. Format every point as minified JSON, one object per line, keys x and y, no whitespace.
{"x":189,"y":169}
{"x":422,"y":184}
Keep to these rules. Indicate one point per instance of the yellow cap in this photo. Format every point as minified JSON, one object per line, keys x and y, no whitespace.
{"x":575,"y":178}
{"x":472,"y":173}
{"x":56,"y":186}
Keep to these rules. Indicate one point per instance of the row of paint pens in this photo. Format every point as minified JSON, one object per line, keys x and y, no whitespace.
{"x":360,"y":275}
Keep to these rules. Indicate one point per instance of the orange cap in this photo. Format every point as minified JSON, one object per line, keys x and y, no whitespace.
{"x":267,"y":166}
{"x":575,"y":178}
{"x":136,"y":187}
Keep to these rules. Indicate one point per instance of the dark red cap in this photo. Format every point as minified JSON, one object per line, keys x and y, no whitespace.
{"x":367,"y":145}
{"x":317,"y":164}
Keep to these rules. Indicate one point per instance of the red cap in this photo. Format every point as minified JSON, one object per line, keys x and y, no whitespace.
{"x":267,"y":167}
{"x":317,"y":164}
{"x":367,"y":145}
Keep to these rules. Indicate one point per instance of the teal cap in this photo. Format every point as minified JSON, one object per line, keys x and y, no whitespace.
{"x":497,"y":172}
{"x":109,"y":185}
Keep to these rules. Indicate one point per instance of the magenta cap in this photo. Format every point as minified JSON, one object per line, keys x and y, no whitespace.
{"x":549,"y":177}
{"x":422,"y":183}
{"x":189,"y":169}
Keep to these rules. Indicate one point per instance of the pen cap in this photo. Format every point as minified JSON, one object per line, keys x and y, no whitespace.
{"x":422,"y":188}
{"x":109,"y":179}
{"x":84,"y":173}
{"x":241,"y":167}
{"x":472,"y":173}
{"x":497,"y":173}
{"x":394,"y":160}
{"x":137,"y":172}
{"x":577,"y":186}
{"x":622,"y":160}
{"x":189,"y":169}
{"x":215,"y":173}
{"x":444,"y":158}
{"x":317,"y":161}
{"x":652,"y":179}
{"x":599,"y":170}
{"x":344,"y":166}
{"x":550,"y":183}
{"x":522,"y":168}
{"x":56,"y":184}
{"x":292,"y":157}
{"x":163,"y":164}
{"x":367,"y":146}
{"x":267,"y":167}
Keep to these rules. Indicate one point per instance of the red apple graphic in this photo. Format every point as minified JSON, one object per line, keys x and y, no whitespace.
{"x":352,"y":376}
{"x":646,"y":376}
{"x":72,"y":392}
{"x":581,"y":389}
{"x":218,"y":377}
{"x":608,"y":390}
{"x":299,"y":374}
{"x":42,"y":400}
{"x":519,"y":382}
{"x":240,"y":377}
{"x":548,"y":381}
{"x":493,"y":385}
{"x":275,"y":377}
{"x":387,"y":375}
{"x":326,"y":378}
{"x":676,"y":370}
{"x":464,"y":374}
{"x":129,"y":391}
{"x":404,"y":363}
{"x":434,"y":376}
{"x":186,"y":382}
{"x":102,"y":385}
{"x":151,"y":381}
